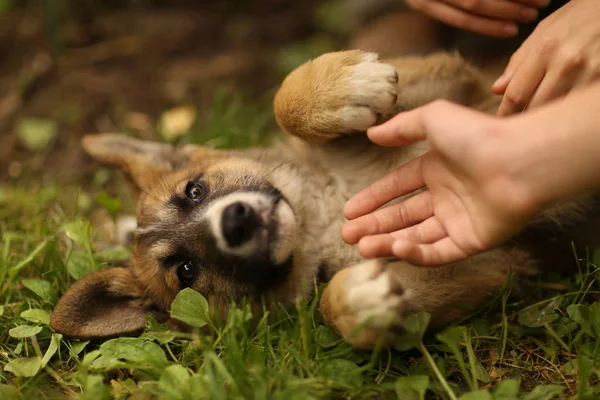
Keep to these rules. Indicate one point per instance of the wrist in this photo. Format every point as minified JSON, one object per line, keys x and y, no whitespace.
{"x":551,"y":153}
{"x":509,"y":182}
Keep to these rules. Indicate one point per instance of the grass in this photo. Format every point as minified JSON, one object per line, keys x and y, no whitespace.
{"x":539,"y":348}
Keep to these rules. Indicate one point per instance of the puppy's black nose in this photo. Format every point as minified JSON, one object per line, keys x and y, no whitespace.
{"x":238,"y":223}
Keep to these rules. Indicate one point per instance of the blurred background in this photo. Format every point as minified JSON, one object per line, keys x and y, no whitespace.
{"x":181,"y":70}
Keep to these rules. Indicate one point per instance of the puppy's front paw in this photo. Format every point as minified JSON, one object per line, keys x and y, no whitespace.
{"x":371,"y":87}
{"x":337,"y":93}
{"x":363,"y":302}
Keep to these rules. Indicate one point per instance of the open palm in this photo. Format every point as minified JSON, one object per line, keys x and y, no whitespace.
{"x":461,"y":203}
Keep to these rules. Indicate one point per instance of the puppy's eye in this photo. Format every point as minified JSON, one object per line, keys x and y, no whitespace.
{"x":186,"y":272}
{"x":195,"y":191}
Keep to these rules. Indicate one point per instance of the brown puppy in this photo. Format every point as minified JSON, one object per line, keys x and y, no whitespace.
{"x":237,"y":225}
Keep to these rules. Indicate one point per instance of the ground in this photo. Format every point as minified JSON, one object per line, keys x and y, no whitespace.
{"x":205,"y":72}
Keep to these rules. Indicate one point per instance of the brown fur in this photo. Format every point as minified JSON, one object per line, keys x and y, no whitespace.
{"x":326,"y":103}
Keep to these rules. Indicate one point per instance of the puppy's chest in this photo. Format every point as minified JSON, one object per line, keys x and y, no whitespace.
{"x":318,"y":198}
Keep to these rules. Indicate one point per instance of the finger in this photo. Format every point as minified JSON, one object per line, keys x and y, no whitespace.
{"x":464,"y":20}
{"x":554,"y":85}
{"x":497,"y":9}
{"x":412,"y":126}
{"x":522,"y":86}
{"x":397,"y":216}
{"x":429,"y":231}
{"x":534,"y":3}
{"x":439,"y":253}
{"x":405,"y":128}
{"x":400,"y":182}
{"x":376,"y":246}
{"x":499,"y":87}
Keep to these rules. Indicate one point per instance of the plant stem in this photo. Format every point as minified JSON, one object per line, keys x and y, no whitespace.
{"x":436,"y":371}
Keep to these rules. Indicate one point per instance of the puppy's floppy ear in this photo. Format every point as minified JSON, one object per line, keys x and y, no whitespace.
{"x":104,"y":304}
{"x":143,"y":161}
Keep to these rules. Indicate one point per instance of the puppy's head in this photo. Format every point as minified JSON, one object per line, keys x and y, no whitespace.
{"x":209,"y":220}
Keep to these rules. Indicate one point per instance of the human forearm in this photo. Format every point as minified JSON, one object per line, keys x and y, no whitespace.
{"x":554,"y":152}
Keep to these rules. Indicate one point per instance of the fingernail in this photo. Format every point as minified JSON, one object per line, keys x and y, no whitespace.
{"x":374,"y":130}
{"x":529,"y":14}
{"x":499,"y":82}
{"x":510,"y":29}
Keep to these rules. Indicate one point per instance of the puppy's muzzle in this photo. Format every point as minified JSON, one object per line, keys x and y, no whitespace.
{"x":251,"y":224}
{"x":239,"y":223}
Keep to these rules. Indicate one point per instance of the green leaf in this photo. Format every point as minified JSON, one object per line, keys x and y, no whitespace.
{"x":161,"y":337}
{"x":43,"y":289}
{"x":174,"y":382}
{"x":507,"y":389}
{"x":570,"y":367}
{"x":544,"y":392}
{"x":414,"y":326}
{"x":452,"y":337}
{"x":534,"y":317}
{"x":479,"y":395}
{"x":135,"y":350}
{"x":36,"y":315}
{"x":36,"y":134}
{"x":27,"y":366}
{"x":8,"y":392}
{"x":595,"y":318}
{"x":52,"y":349}
{"x":190,"y":307}
{"x":412,"y":387}
{"x":480,"y":373}
{"x":24,"y":331}
{"x":103,"y":363}
{"x":326,"y":337}
{"x":12,"y":273}
{"x":79,"y":264}
{"x":580,"y":313}
{"x":77,"y":347}
{"x":342,"y":371}
{"x":94,"y":388}
{"x":110,"y":204}
{"x":78,"y":231}
{"x":89,"y":358}
{"x":1,"y":310}
{"x":115,"y":253}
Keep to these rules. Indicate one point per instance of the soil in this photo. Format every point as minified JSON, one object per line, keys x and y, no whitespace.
{"x":104,"y":68}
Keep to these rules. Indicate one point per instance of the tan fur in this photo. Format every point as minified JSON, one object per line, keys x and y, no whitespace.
{"x":326,"y":104}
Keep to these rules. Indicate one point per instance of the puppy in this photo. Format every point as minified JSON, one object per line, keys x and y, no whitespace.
{"x":239,"y":225}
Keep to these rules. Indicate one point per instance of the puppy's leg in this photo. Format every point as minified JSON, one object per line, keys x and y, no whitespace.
{"x":381,"y":293}
{"x":347,"y":92}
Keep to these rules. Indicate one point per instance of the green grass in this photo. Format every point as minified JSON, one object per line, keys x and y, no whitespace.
{"x":543,"y":347}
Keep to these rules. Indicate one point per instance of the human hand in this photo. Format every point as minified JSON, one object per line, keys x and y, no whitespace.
{"x":469,"y":204}
{"x":489,"y":17}
{"x":562,"y":53}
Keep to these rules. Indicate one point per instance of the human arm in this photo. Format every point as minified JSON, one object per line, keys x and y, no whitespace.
{"x":485,"y":177}
{"x":489,"y":17}
{"x":563,"y":52}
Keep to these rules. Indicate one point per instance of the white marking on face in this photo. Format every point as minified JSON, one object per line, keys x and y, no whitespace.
{"x":262,"y":204}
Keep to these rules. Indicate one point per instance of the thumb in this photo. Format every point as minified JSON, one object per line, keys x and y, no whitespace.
{"x":412,"y":126}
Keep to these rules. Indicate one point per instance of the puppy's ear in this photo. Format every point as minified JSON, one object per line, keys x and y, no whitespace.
{"x":141,"y":160}
{"x":104,"y":304}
